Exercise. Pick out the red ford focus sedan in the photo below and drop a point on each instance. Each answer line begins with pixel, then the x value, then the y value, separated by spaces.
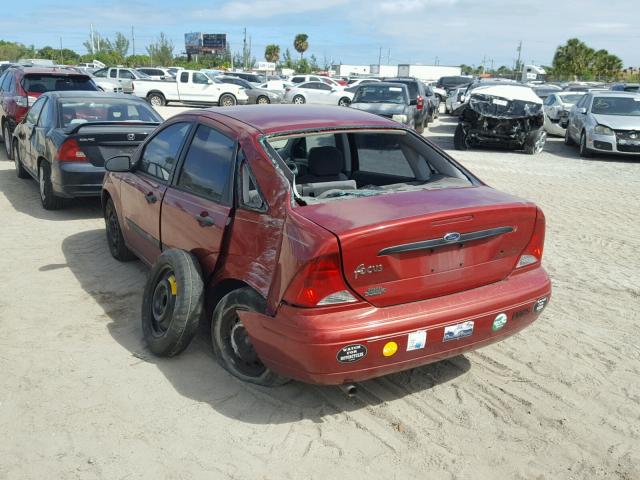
pixel 324 244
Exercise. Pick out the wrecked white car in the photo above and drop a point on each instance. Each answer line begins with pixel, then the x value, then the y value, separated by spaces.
pixel 503 116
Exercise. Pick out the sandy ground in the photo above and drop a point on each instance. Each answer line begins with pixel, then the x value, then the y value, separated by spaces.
pixel 81 397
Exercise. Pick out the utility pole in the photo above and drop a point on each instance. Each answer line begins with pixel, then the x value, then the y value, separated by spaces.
pixel 519 55
pixel 244 49
pixel 388 56
pixel 93 43
pixel 249 53
pixel 380 56
pixel 133 40
pixel 61 56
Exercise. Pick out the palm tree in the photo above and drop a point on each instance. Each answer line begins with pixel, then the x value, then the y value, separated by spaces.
pixel 272 53
pixel 301 44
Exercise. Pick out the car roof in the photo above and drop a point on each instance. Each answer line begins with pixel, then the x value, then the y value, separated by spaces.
pixel 51 70
pixel 90 94
pixel 609 93
pixel 387 83
pixel 285 118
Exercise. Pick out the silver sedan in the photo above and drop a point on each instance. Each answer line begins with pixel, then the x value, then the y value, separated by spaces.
pixel 556 108
pixel 605 122
pixel 255 94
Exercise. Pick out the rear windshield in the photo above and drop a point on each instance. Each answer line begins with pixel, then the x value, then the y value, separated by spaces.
pixel 350 164
pixel 451 81
pixel 34 83
pixel 624 106
pixel 411 86
pixel 571 99
pixel 372 93
pixel 75 111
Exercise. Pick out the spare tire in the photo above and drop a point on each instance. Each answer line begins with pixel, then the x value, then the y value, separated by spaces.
pixel 173 303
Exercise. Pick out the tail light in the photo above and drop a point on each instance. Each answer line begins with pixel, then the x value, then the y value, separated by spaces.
pixel 420 103
pixel 70 152
pixel 319 283
pixel 533 252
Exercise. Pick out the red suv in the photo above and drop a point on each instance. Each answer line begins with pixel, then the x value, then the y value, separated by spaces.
pixel 20 87
pixel 324 244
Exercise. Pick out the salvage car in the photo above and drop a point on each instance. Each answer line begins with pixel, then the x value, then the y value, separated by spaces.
pixel 65 138
pixel 503 116
pixel 323 244
pixel 556 111
pixel 390 100
pixel 317 93
pixel 605 122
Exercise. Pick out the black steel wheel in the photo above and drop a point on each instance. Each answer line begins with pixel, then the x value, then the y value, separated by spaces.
pixel 115 239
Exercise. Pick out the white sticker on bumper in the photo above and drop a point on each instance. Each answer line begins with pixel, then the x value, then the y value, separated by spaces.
pixel 416 340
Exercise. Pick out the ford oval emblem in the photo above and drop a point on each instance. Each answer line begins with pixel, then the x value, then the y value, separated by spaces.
pixel 452 237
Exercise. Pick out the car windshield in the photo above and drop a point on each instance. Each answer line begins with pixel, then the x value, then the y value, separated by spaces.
pixel 34 83
pixel 623 106
pixel 379 94
pixel 571 99
pixel 83 110
pixel 350 164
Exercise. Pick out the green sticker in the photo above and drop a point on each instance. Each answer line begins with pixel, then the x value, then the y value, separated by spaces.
pixel 499 322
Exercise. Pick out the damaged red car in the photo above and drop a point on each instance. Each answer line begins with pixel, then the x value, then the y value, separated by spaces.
pixel 323 244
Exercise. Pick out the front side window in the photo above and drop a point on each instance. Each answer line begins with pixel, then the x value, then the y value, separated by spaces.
pixel 200 78
pixel 102 73
pixel 208 165
pixel 113 73
pixel 127 74
pixel 161 153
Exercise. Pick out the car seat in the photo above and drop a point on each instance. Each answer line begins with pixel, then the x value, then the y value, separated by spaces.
pixel 325 165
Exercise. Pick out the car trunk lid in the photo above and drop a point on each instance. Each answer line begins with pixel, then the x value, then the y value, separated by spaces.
pixel 411 246
pixel 100 142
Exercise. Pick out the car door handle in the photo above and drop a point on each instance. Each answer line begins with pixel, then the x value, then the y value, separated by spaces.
pixel 204 220
pixel 150 197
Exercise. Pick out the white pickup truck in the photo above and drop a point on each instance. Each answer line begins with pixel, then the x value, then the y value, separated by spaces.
pixel 190 87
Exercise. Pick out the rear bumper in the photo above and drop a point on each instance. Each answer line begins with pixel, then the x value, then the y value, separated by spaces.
pixel 303 343
pixel 76 179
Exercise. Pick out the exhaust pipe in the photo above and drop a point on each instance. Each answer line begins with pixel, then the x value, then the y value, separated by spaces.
pixel 349 389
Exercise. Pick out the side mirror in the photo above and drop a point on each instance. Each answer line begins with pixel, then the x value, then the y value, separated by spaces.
pixel 414 102
pixel 209 82
pixel 121 163
pixel 582 111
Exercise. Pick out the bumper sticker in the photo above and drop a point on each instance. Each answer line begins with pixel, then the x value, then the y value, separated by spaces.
pixel 351 353
pixel 540 304
pixel 499 322
pixel 459 330
pixel 416 340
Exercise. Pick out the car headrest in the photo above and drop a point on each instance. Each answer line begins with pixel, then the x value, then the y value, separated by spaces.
pixel 325 161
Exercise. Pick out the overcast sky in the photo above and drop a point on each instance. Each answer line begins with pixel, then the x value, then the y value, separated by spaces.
pixel 347 31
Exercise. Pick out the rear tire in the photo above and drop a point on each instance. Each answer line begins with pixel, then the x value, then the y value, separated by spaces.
pixel 20 171
pixel 173 302
pixel 156 99
pixel 344 102
pixel 227 100
pixel 460 139
pixel 299 100
pixel 535 141
pixel 231 343
pixel 7 141
pixel 262 100
pixel 115 239
pixel 48 199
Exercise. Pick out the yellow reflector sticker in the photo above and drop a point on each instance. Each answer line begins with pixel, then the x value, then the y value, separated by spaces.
pixel 173 284
pixel 390 349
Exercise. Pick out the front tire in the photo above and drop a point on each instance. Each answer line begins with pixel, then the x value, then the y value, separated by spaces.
pixel 156 99
pixel 535 141
pixel 584 151
pixel 262 100
pixel 227 100
pixel 7 140
pixel 231 342
pixel 173 302
pixel 115 239
pixel 20 171
pixel 460 139
pixel 344 102
pixel 48 199
pixel 567 138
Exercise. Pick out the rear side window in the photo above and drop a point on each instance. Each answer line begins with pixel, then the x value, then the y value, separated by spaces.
pixel 208 165
pixel 184 77
pixel 34 83
pixel 113 73
pixel 200 78
pixel 34 112
pixel 100 73
pixel 382 154
pixel 126 74
pixel 160 154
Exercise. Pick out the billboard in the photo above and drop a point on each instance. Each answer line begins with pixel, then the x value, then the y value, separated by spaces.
pixel 214 42
pixel 193 42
